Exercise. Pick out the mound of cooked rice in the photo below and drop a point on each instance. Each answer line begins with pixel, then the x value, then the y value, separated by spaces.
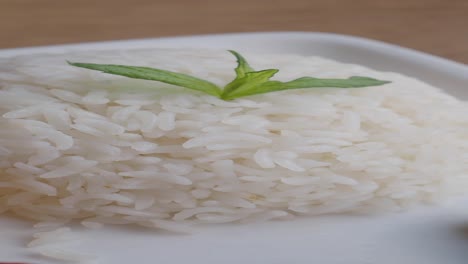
pixel 79 144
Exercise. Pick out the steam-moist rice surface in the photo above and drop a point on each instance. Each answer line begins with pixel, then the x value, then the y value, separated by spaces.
pixel 79 144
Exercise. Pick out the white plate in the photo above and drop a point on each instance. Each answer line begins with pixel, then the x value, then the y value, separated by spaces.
pixel 431 235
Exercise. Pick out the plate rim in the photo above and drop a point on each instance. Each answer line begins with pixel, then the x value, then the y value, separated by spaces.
pixel 372 44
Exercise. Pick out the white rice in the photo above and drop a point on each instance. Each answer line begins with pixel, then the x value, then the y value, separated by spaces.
pixel 104 149
pixel 59 244
pixel 66 255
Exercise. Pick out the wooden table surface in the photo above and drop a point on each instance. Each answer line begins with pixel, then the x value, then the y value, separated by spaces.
pixel 439 27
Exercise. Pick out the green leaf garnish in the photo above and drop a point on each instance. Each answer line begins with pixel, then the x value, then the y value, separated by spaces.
pixel 247 82
pixel 152 74
pixel 250 81
pixel 304 82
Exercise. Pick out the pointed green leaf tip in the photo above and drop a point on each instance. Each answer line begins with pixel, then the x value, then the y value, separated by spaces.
pixel 242 66
pixel 247 82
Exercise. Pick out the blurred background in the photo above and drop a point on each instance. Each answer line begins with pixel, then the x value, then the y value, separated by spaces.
pixel 439 27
